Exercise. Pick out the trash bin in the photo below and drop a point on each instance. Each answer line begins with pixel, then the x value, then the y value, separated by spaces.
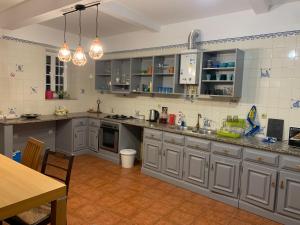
pixel 127 157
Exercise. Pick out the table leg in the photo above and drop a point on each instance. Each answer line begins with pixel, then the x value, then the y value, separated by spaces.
pixel 59 212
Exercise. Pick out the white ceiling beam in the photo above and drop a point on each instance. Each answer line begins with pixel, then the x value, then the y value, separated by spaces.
pixel 260 6
pixel 33 12
pixel 121 12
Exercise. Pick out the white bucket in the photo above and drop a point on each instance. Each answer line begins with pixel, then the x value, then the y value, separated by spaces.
pixel 127 157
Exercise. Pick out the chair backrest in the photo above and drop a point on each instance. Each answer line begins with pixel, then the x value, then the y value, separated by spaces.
pixel 58 166
pixel 32 153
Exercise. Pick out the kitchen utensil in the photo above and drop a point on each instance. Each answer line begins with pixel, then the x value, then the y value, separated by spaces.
pixel 153 115
pixel 231 64
pixel 218 76
pixel 117 80
pixel 208 76
pixel 229 76
pixel 275 128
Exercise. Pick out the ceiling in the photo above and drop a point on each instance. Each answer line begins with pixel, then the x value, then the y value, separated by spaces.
pixel 5 4
pixel 122 16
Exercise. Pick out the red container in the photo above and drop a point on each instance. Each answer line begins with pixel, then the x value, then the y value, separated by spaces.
pixel 49 94
pixel 172 118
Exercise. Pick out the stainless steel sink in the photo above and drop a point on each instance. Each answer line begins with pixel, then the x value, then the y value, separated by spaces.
pixel 204 131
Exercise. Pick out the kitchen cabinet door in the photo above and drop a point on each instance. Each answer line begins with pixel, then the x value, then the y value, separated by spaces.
pixel 152 155
pixel 93 138
pixel 288 202
pixel 80 138
pixel 196 167
pixel 224 175
pixel 258 185
pixel 172 160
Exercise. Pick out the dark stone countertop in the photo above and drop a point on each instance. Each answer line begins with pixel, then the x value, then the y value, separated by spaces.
pixel 250 142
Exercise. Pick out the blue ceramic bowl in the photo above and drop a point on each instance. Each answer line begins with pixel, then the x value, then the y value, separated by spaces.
pixel 231 64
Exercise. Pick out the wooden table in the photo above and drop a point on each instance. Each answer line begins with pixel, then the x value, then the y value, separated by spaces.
pixel 22 188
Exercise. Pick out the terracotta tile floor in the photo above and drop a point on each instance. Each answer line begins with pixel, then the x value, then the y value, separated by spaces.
pixel 102 193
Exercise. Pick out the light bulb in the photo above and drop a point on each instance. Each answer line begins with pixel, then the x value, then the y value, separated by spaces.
pixel 96 49
pixel 79 58
pixel 64 53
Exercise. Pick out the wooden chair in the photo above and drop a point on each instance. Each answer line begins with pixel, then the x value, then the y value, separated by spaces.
pixel 58 167
pixel 32 153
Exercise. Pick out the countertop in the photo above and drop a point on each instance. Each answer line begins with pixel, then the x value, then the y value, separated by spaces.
pixel 250 142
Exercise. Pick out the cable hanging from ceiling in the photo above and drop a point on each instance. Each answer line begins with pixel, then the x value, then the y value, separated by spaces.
pixel 96 48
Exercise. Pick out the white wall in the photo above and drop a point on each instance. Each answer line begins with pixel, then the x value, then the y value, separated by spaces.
pixel 284 18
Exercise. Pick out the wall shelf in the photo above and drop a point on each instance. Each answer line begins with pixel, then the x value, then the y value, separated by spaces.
pixel 217 87
pixel 160 75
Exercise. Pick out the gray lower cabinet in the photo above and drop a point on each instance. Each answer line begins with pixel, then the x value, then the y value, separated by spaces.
pixel 80 138
pixel 258 185
pixel 196 167
pixel 172 160
pixel 152 154
pixel 288 202
pixel 224 176
pixel 93 138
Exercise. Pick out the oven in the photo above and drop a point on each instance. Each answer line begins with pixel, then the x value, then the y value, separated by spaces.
pixel 109 137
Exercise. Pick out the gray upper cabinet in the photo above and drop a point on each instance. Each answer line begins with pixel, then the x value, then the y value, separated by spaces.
pixel 222 73
pixel 224 176
pixel 103 75
pixel 258 185
pixel 93 139
pixel 172 160
pixel 152 154
pixel 289 194
pixel 80 138
pixel 196 167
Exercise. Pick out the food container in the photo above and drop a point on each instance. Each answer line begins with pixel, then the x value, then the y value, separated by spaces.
pixel 172 118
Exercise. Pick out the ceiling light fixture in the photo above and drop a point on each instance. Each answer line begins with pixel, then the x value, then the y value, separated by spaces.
pixel 64 53
pixel 96 49
pixel 79 58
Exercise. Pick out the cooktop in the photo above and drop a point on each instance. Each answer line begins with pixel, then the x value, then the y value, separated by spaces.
pixel 119 117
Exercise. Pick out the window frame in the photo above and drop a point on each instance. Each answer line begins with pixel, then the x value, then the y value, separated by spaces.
pixel 53 74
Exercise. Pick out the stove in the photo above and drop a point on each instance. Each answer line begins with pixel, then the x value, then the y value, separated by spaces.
pixel 119 117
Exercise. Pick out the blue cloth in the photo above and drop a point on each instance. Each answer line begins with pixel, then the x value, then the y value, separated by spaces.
pixel 17 156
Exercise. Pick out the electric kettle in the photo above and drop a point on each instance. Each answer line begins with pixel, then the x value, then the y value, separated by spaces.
pixel 153 115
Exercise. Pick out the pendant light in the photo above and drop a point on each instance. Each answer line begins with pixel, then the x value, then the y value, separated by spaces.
pixel 64 53
pixel 96 49
pixel 79 58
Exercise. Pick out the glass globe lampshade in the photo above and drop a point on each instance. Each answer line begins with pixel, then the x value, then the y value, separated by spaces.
pixel 96 49
pixel 64 53
pixel 79 58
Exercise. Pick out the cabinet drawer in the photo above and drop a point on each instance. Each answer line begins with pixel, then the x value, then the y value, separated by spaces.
pixel 94 123
pixel 197 143
pixel 290 163
pixel 153 134
pixel 260 157
pixel 80 122
pixel 176 139
pixel 226 149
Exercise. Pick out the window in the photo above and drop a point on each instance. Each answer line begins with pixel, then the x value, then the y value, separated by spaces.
pixel 56 75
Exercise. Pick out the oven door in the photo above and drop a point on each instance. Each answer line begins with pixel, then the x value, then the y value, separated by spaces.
pixel 109 139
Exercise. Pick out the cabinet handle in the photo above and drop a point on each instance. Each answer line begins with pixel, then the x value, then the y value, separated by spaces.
pixel 212 167
pixel 164 153
pixel 259 159
pixel 273 184
pixel 282 184
pixel 75 135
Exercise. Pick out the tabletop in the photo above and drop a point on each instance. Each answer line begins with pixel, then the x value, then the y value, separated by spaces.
pixel 22 188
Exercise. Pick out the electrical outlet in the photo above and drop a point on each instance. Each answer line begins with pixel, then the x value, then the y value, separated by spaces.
pixel 264 116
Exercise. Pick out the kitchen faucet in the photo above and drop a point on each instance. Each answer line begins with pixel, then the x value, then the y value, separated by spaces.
pixel 197 127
